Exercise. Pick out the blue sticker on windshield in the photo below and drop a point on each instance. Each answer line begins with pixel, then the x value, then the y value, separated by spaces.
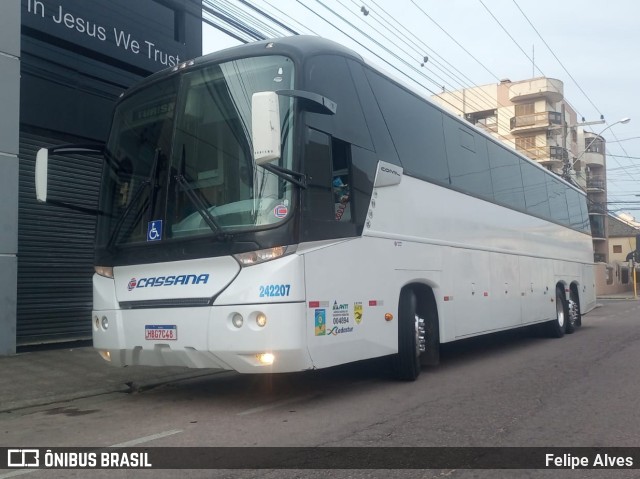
pixel 154 230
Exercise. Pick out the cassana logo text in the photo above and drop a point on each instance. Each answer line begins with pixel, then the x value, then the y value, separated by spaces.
pixel 179 280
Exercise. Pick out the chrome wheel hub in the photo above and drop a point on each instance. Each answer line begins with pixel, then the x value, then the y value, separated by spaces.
pixel 421 335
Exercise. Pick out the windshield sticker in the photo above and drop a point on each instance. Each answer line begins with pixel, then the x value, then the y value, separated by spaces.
pixel 154 230
pixel 280 211
pixel 321 322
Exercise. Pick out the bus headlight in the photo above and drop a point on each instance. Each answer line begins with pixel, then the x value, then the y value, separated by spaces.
pixel 263 255
pixel 106 271
pixel 261 320
pixel 105 323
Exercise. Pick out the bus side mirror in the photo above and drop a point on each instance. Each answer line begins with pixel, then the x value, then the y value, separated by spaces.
pixel 265 126
pixel 42 161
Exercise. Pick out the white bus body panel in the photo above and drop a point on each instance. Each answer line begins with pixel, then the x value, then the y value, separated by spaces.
pixel 490 268
pixel 499 266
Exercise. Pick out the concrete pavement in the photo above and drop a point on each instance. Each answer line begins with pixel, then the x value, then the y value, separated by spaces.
pixel 42 375
pixel 57 373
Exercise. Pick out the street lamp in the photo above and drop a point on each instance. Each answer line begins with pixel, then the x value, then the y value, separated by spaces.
pixel 623 121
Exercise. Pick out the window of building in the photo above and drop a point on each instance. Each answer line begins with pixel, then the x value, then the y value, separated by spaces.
pixel 525 109
pixel 487 120
pixel 594 145
pixel 617 248
pixel 527 146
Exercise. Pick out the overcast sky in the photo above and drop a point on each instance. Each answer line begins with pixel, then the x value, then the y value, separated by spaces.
pixel 597 45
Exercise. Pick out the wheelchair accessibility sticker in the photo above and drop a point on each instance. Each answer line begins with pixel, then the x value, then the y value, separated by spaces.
pixel 154 230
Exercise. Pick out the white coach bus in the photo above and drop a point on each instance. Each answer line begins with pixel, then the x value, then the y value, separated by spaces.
pixel 283 206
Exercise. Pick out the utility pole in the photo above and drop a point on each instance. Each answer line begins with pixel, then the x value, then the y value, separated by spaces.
pixel 567 162
pixel 566 166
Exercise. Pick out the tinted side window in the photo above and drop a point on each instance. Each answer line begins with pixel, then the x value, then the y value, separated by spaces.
pixel 468 161
pixel 586 225
pixel 535 190
pixel 557 200
pixel 416 129
pixel 377 128
pixel 575 212
pixel 324 159
pixel 506 176
pixel 329 76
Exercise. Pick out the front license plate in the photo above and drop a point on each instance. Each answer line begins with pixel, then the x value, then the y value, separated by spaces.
pixel 161 332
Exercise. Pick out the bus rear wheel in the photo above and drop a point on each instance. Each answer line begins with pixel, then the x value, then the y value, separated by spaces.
pixel 411 338
pixel 574 308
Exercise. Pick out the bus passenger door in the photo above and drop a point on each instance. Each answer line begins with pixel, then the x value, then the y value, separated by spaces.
pixel 328 200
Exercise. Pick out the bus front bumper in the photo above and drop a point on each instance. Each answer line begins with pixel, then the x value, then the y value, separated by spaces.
pixel 220 337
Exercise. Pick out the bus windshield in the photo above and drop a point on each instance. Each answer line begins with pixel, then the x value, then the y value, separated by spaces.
pixel 180 156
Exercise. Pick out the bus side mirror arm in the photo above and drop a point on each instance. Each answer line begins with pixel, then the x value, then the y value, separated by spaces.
pixel 312 102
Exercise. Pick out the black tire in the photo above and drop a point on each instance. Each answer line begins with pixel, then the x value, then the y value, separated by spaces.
pixel 575 297
pixel 406 363
pixel 431 354
pixel 556 327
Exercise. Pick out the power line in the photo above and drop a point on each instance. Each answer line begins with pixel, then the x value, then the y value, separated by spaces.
pixel 556 57
pixel 455 41
pixel 264 14
pixel 511 37
pixel 481 95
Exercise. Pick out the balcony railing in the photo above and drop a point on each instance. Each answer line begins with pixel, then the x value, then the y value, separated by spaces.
pixel 541 119
pixel 596 183
pixel 542 153
pixel 599 258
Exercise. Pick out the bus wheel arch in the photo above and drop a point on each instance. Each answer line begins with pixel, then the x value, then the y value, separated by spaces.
pixel 418 331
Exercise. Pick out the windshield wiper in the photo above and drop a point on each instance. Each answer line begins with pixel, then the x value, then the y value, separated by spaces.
pixel 291 176
pixel 150 180
pixel 201 207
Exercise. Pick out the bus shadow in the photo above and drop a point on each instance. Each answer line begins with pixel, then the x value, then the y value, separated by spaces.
pixel 490 344
pixel 240 390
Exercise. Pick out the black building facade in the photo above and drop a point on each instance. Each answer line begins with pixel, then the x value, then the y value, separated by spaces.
pixel 75 58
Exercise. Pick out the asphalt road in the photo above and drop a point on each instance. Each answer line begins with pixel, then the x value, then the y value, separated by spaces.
pixel 508 389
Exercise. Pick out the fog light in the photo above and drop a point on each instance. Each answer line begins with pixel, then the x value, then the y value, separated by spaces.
pixel 237 320
pixel 266 358
pixel 105 323
pixel 96 321
pixel 261 320
pixel 106 355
